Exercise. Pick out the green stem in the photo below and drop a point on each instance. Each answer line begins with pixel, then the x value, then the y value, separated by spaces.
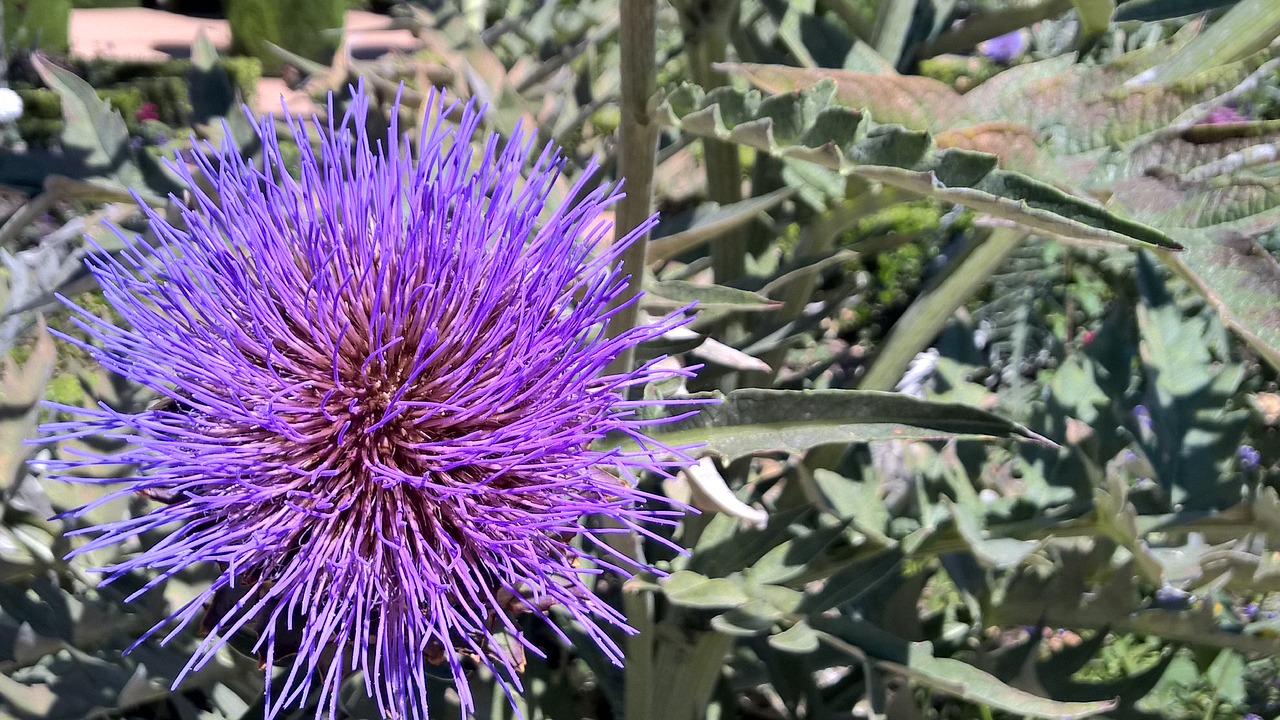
pixel 638 693
pixel 637 152
pixel 922 322
pixel 706 28
pixel 686 673
pixel 637 147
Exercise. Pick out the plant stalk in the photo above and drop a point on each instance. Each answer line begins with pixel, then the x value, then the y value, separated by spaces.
pixel 637 157
pixel 637 148
pixel 922 322
pixel 706 29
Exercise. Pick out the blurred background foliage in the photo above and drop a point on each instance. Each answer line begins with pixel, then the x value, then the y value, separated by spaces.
pixel 988 288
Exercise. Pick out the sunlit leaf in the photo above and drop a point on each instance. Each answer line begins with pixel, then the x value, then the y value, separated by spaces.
pixel 809 126
pixel 755 420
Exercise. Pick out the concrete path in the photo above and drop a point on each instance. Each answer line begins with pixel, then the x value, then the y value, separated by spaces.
pixel 155 35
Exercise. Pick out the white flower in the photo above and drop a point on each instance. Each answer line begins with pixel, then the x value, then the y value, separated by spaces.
pixel 10 105
pixel 918 373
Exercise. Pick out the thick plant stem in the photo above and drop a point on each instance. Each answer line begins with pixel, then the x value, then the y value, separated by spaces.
pixel 686 672
pixel 637 151
pixel 706 27
pixel 637 148
pixel 922 322
pixel 638 699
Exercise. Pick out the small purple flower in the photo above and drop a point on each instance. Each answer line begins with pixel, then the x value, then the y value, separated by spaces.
pixel 1143 416
pixel 1223 115
pixel 1169 595
pixel 385 381
pixel 1248 457
pixel 1005 48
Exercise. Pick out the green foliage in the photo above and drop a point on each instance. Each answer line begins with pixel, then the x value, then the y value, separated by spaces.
pixel 807 126
pixel 40 24
pixel 745 420
pixel 128 86
pixel 310 28
pixel 105 3
pixel 41 119
pixel 1068 266
pixel 243 71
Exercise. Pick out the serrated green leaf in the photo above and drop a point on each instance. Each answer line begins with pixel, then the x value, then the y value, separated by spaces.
pixel 809 126
pixel 96 138
pixel 998 553
pixel 913 101
pixel 1078 109
pixel 1194 185
pixel 1192 424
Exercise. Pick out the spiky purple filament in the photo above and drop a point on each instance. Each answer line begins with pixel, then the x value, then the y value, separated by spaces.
pixel 386 378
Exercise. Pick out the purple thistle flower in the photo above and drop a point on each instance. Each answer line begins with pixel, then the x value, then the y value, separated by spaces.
pixel 384 382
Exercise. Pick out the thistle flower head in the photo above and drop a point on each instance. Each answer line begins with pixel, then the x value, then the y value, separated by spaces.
pixel 385 379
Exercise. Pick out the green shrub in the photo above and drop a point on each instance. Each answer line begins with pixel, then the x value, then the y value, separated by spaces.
pixel 91 4
pixel 245 72
pixel 40 24
pixel 126 100
pixel 300 26
pixel 40 103
pixel 41 119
